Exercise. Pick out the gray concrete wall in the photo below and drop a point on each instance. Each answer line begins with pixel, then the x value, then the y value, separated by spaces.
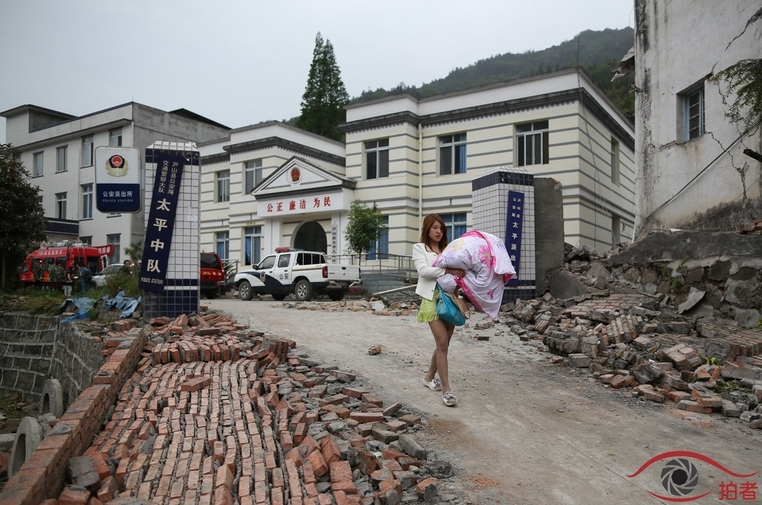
pixel 36 348
pixel 679 47
pixel 549 229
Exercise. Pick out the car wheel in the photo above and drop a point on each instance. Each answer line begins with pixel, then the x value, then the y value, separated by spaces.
pixel 336 294
pixel 211 294
pixel 279 296
pixel 303 290
pixel 244 290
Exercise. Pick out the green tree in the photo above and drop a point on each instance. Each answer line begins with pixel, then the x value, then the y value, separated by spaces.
pixel 135 251
pixel 325 96
pixel 23 221
pixel 745 79
pixel 364 226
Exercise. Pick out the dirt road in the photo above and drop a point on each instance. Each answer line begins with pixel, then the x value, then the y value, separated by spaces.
pixel 525 431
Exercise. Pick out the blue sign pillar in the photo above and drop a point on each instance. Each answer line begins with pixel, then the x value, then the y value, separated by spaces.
pixel 503 205
pixel 169 271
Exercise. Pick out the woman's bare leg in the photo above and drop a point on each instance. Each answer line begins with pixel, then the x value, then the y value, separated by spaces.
pixel 442 334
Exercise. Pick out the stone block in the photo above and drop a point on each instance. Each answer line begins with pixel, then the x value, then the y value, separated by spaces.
pixel 579 360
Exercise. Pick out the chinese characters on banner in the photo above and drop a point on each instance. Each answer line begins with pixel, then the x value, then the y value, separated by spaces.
pixel 300 204
pixel 161 222
pixel 513 225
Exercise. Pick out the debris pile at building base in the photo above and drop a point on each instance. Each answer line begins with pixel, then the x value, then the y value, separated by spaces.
pixel 217 413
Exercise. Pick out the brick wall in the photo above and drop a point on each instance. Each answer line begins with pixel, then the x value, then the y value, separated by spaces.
pixel 43 474
pixel 36 348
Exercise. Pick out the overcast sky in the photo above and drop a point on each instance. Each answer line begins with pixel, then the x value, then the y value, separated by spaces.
pixel 239 62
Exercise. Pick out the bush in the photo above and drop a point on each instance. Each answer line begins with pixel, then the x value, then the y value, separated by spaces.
pixel 122 282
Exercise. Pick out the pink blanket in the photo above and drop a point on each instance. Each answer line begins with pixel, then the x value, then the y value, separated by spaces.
pixel 487 265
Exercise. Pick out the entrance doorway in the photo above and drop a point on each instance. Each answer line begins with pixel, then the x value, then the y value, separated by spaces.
pixel 311 237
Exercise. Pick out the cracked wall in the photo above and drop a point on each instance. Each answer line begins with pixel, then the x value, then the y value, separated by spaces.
pixel 679 47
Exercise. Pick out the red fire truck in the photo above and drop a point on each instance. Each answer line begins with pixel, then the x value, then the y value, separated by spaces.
pixel 47 265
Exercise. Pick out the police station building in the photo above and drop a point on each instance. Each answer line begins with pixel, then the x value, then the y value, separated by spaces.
pixel 273 185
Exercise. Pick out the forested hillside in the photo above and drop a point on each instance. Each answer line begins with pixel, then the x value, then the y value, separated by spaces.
pixel 597 52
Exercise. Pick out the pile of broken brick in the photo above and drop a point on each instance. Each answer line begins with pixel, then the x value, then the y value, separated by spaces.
pixel 625 340
pixel 218 413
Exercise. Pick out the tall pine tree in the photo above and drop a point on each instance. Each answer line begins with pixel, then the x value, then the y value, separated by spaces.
pixel 325 96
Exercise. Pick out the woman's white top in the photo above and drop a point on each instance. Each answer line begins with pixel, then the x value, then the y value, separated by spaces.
pixel 427 274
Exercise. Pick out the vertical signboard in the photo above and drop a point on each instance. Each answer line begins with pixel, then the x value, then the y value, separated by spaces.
pixel 161 221
pixel 117 179
pixel 513 225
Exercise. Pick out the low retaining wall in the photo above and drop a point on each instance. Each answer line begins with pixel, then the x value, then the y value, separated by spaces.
pixel 43 473
pixel 36 348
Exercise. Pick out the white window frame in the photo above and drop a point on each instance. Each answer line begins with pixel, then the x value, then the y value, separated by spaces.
pixel 61 205
pixel 222 186
pixel 380 248
pixel 615 167
pixel 253 175
pixel 115 239
pixel 115 137
pixel 87 201
pixel 61 154
pixel 452 150
pixel 456 220
pixel 694 110
pixel 252 243
pixel 38 161
pixel 528 135
pixel 222 244
pixel 377 155
pixel 88 142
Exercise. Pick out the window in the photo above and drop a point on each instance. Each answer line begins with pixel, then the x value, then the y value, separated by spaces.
pixel 60 205
pixel 114 240
pixel 377 159
pixel 115 138
pixel 223 187
pixel 252 244
pixel 381 246
pixel 61 159
pixel 37 160
pixel 616 224
pixel 284 260
pixel 222 241
pixel 253 175
pixel 452 154
pixel 455 225
pixel 87 151
pixel 532 140
pixel 614 161
pixel 694 113
pixel 86 240
pixel 87 201
pixel 268 262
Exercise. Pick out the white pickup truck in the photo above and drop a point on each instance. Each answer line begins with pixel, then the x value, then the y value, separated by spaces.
pixel 303 273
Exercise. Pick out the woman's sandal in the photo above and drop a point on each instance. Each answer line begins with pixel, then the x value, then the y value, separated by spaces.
pixel 435 384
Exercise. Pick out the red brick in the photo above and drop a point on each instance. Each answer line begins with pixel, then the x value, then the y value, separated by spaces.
pixel 340 471
pixel 330 449
pixel 74 496
pixel 222 496
pixel 224 477
pixel 319 466
pixel 367 417
pixel 108 489
pixel 195 384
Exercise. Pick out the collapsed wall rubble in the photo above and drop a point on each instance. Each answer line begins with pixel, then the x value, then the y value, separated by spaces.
pixel 218 413
pixel 624 330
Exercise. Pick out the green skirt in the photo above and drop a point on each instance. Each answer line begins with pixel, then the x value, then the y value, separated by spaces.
pixel 428 309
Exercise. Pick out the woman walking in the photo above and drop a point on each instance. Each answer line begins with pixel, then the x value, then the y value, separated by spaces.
pixel 433 241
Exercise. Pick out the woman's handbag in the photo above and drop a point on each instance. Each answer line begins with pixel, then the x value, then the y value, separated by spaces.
pixel 452 309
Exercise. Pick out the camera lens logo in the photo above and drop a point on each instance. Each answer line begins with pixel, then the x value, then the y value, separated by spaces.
pixel 679 477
